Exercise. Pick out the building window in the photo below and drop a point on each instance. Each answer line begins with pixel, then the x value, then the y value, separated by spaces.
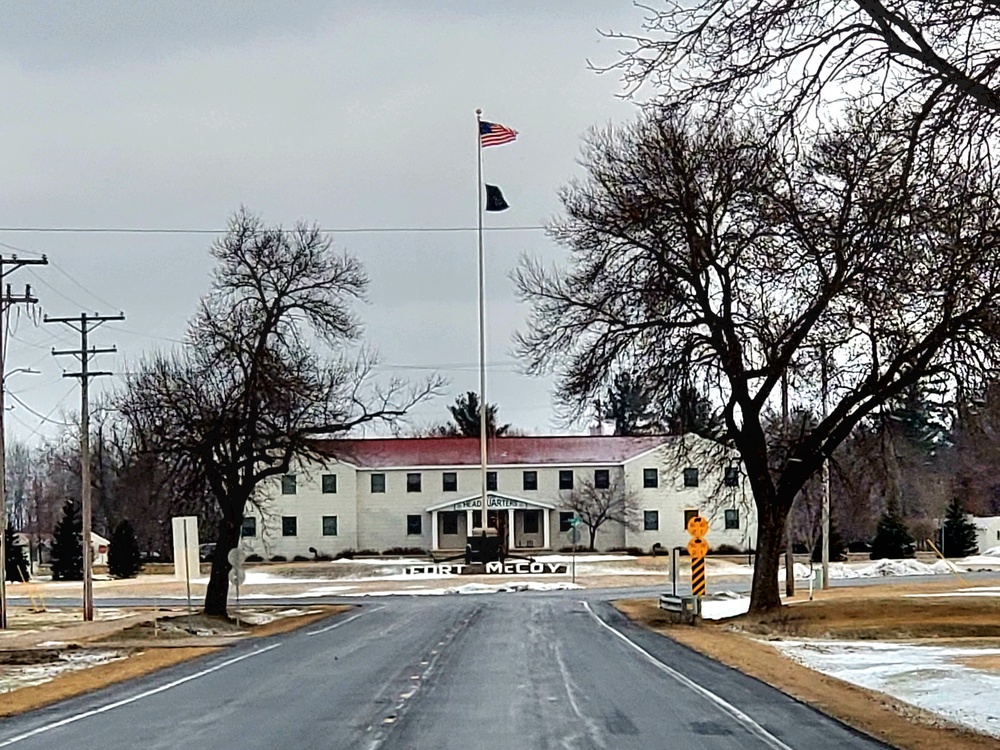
pixel 531 521
pixel 690 477
pixel 378 483
pixel 249 526
pixel 602 479
pixel 732 518
pixel 650 478
pixel 288 484
pixel 449 522
pixel 565 479
pixel 732 478
pixel 289 526
pixel 414 525
pixel 329 484
pixel 329 526
pixel 651 520
pixel 565 518
pixel 449 481
pixel 491 481
pixel 413 482
pixel 688 515
pixel 530 480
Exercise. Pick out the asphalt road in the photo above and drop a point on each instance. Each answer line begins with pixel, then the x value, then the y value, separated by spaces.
pixel 533 671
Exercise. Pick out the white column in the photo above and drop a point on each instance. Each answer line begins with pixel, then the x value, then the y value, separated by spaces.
pixel 468 523
pixel 546 537
pixel 510 528
pixel 434 530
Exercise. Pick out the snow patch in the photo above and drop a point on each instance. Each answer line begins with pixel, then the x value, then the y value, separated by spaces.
pixel 929 677
pixel 478 588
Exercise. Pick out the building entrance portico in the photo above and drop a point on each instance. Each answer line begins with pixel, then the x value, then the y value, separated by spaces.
pixel 523 523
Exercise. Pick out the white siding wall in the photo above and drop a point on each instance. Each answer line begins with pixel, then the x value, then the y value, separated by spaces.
pixel 308 505
pixel 377 521
pixel 987 532
pixel 671 499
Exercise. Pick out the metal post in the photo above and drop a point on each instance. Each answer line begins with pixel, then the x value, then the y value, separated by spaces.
pixel 187 573
pixel 673 570
pixel 482 322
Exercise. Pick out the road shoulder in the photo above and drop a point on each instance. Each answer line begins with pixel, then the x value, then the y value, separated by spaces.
pixel 872 713
pixel 146 657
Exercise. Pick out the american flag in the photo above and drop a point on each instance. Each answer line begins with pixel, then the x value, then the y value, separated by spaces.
pixel 493 134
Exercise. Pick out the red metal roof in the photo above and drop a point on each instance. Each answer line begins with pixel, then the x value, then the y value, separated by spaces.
pixel 378 453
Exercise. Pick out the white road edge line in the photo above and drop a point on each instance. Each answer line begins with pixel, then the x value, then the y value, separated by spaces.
pixel 727 707
pixel 338 623
pixel 133 699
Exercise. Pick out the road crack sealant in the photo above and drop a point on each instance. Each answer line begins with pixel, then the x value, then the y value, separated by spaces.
pixel 417 677
pixel 720 703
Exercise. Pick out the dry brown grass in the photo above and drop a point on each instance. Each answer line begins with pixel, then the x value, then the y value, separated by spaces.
pixel 149 659
pixel 77 683
pixel 877 715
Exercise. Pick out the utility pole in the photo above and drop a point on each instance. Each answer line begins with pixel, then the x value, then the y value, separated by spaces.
pixel 7 267
pixel 789 556
pixel 84 325
pixel 825 516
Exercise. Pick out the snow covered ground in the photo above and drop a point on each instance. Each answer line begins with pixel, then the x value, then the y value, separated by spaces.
pixel 934 678
pixel 479 588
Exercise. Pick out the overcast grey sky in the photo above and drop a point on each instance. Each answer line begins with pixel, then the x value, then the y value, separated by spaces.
pixel 349 114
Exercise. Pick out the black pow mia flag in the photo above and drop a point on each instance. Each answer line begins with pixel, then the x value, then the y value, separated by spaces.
pixel 494 199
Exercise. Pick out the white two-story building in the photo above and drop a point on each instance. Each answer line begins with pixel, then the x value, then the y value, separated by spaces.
pixel 385 493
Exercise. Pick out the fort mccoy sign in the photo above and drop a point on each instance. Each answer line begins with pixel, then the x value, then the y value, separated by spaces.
pixel 513 568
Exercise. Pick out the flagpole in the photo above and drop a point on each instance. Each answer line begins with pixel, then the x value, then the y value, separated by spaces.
pixel 482 322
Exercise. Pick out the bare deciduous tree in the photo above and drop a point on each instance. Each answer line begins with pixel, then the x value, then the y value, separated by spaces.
pixel 701 253
pixel 595 506
pixel 793 60
pixel 266 371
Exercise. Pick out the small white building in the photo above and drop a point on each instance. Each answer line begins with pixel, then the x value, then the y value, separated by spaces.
pixel 987 532
pixel 384 493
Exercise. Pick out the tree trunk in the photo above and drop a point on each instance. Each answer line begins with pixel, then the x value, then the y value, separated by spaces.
pixel 217 593
pixel 593 536
pixel 764 595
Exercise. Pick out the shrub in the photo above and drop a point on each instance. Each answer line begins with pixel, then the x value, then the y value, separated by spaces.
pixel 254 558
pixel 321 557
pixel 634 551
pixel 404 551
pixel 16 564
pixel 344 554
pixel 279 558
pixel 366 553
pixel 300 558
pixel 726 549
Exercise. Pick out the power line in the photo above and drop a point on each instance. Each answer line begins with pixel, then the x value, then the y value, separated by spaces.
pixel 41 416
pixel 340 230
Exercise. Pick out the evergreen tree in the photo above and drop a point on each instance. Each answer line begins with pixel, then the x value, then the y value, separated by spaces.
pixel 465 419
pixel 892 539
pixel 16 563
pixel 67 545
pixel 838 551
pixel 123 554
pixel 628 405
pixel 959 532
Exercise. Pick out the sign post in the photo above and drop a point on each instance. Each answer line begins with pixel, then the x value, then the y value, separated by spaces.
pixel 574 536
pixel 697 548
